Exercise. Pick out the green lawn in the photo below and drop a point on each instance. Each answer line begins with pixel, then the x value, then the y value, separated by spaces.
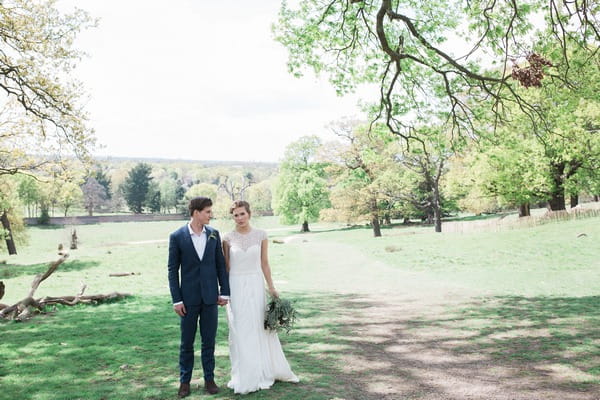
pixel 522 296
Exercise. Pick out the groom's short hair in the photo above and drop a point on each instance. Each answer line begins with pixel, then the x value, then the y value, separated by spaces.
pixel 199 203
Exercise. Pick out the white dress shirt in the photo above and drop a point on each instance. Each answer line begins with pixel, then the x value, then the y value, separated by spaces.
pixel 199 240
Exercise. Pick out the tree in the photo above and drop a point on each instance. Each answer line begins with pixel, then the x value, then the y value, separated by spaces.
pixel 235 185
pixel 261 197
pixel 301 191
pixel 12 230
pixel 136 187
pixel 28 193
pixel 69 195
pixel 41 109
pixel 101 176
pixel 428 159
pixel 168 194
pixel 94 195
pixel 153 199
pixel 410 51
pixel 366 162
pixel 558 151
pixel 201 189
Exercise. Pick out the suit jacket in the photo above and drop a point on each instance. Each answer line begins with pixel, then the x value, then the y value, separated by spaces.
pixel 193 281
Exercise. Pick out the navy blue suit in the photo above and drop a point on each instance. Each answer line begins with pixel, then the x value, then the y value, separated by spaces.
pixel 196 283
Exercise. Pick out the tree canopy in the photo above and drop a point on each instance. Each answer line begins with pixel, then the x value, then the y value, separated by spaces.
pixel 439 59
pixel 41 111
pixel 301 191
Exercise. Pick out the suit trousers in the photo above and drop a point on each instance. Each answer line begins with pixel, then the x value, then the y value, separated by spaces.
pixel 204 316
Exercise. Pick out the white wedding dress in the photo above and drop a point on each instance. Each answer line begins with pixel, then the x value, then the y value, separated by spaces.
pixel 257 359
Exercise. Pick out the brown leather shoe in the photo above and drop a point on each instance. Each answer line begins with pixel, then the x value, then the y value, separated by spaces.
pixel 184 390
pixel 211 387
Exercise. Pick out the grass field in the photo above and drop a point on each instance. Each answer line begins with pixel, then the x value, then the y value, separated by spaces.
pixel 412 315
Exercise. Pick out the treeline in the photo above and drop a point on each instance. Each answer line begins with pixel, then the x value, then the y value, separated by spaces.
pixel 127 185
pixel 371 175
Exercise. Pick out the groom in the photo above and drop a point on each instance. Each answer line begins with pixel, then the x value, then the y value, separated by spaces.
pixel 196 271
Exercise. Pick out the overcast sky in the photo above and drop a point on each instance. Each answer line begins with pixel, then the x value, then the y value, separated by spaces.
pixel 197 79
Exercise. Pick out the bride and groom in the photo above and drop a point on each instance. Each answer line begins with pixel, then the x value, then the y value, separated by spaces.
pixel 199 264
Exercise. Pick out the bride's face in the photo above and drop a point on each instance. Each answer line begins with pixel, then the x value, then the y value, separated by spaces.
pixel 241 217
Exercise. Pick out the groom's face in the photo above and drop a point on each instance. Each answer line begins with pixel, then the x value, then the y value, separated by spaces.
pixel 203 216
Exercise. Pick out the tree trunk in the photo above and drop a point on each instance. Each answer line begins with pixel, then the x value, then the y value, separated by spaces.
pixel 305 227
pixel 375 217
pixel 557 202
pixel 437 207
pixel 376 226
pixel 596 197
pixel 574 201
pixel 437 217
pixel 557 199
pixel 428 218
pixel 10 243
pixel 524 210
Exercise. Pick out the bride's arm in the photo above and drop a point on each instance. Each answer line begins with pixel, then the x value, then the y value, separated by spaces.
pixel 225 244
pixel 264 263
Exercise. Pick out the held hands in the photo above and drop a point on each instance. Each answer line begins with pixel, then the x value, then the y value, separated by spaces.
pixel 181 311
pixel 222 302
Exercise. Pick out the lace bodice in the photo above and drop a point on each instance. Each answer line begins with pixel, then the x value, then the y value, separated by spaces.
pixel 245 240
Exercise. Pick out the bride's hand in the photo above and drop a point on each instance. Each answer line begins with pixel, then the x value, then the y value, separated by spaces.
pixel 273 292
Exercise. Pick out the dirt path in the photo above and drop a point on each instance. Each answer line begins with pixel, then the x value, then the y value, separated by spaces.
pixel 407 341
pixel 406 348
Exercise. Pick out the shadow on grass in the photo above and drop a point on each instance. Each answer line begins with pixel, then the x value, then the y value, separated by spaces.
pixel 129 350
pixel 339 349
pixel 509 347
pixel 560 330
pixel 13 270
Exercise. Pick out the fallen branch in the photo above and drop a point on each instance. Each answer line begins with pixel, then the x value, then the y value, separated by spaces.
pixel 29 306
pixel 40 278
pixel 122 274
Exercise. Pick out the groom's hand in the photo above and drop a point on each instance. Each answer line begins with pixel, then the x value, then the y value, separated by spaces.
pixel 180 309
pixel 222 301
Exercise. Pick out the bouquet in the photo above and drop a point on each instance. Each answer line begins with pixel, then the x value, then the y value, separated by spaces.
pixel 280 315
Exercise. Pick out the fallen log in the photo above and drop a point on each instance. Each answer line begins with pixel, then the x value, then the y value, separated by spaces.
pixel 30 306
pixel 122 274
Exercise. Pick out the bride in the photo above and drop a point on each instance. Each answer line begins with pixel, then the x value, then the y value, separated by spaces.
pixel 257 359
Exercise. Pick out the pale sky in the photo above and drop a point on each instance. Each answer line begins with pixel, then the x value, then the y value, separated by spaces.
pixel 197 79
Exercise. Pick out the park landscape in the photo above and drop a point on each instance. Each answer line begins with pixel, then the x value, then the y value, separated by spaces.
pixel 503 314
pixel 439 240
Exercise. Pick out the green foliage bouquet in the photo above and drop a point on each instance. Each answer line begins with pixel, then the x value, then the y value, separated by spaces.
pixel 280 315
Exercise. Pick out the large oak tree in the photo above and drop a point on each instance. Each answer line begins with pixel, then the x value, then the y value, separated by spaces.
pixel 431 59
